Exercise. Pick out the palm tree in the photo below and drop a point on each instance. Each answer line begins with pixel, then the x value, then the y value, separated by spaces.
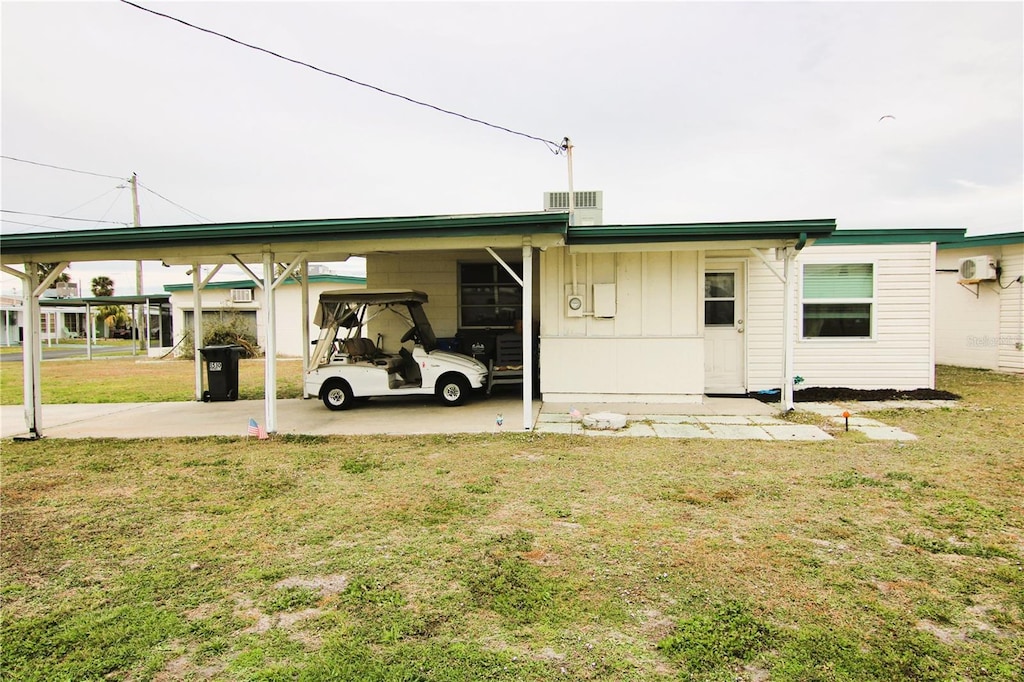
pixel 102 286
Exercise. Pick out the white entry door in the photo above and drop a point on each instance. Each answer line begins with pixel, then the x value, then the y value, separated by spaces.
pixel 725 367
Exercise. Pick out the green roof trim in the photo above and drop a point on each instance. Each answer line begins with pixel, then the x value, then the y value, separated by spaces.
pixel 700 232
pixel 898 235
pixel 1000 239
pixel 249 284
pixel 339 229
pixel 106 300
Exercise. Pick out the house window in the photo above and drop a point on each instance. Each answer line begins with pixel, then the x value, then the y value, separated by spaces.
pixel 488 295
pixel 838 300
pixel 719 298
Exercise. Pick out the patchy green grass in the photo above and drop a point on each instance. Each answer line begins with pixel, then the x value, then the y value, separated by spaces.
pixel 519 557
pixel 132 380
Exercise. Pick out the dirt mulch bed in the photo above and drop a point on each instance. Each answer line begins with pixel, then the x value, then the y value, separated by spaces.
pixel 831 395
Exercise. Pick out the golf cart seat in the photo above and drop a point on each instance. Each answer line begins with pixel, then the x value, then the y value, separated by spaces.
pixel 360 349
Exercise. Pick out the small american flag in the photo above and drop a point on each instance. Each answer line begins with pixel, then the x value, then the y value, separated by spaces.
pixel 256 430
pixel 574 413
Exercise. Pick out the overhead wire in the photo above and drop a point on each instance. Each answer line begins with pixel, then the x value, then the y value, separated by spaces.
pixel 60 217
pixel 63 168
pixel 117 197
pixel 49 227
pixel 186 210
pixel 116 187
pixel 554 147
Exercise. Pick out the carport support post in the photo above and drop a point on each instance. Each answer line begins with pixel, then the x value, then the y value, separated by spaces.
pixel 527 335
pixel 90 329
pixel 788 323
pixel 31 350
pixel 270 374
pixel 197 327
pixel 305 324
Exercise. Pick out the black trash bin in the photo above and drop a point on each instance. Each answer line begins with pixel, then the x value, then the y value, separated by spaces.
pixel 221 372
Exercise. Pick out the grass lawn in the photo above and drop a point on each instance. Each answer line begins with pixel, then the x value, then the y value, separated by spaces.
pixel 130 380
pixel 520 557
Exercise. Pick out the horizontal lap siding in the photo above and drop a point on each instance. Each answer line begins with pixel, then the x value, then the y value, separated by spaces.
pixel 899 355
pixel 1011 311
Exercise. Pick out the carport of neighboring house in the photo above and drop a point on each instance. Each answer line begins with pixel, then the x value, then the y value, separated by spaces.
pixel 610 339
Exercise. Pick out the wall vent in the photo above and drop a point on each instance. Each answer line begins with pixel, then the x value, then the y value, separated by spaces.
pixel 241 295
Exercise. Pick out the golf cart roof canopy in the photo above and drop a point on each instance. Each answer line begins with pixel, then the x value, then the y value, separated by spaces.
pixel 373 296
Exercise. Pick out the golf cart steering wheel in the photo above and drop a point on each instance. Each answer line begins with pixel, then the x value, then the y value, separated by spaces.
pixel 413 334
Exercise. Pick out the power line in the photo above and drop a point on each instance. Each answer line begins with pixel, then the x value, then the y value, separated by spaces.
pixel 71 210
pixel 63 168
pixel 190 212
pixel 48 227
pixel 60 217
pixel 554 147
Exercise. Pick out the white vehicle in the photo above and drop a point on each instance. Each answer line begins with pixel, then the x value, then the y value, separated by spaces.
pixel 351 367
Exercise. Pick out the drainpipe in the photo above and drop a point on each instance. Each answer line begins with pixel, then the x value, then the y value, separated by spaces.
pixel 789 293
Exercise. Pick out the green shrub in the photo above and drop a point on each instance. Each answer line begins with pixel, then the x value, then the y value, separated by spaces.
pixel 233 331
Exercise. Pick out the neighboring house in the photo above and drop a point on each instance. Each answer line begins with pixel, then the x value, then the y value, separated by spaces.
pixel 980 321
pixel 56 321
pixel 10 321
pixel 243 299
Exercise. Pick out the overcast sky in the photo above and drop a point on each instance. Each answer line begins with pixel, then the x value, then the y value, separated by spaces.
pixel 679 112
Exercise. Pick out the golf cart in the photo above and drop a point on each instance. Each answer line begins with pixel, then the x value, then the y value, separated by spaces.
pixel 346 366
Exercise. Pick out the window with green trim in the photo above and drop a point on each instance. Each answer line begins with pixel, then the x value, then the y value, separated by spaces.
pixel 838 300
pixel 489 297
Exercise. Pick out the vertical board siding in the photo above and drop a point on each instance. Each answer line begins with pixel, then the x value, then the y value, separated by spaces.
pixel 653 336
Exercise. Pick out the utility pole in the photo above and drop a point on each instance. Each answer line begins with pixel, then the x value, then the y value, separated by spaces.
pixel 567 146
pixel 137 220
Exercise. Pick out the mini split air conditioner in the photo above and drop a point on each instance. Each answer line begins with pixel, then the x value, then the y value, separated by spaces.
pixel 977 269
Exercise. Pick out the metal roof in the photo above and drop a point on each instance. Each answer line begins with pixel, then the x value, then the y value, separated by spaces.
pixel 106 300
pixel 898 235
pixel 327 239
pixel 1001 239
pixel 249 284
pixel 701 232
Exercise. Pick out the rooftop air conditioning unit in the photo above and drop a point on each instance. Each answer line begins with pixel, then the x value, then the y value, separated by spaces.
pixel 977 269
pixel 588 209
pixel 241 295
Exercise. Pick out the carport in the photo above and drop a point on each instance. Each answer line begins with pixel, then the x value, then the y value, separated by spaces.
pixel 269 252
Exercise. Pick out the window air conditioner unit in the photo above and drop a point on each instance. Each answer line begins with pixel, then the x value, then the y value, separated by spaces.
pixel 977 269
pixel 241 295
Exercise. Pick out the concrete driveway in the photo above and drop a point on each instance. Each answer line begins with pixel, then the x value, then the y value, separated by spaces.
pixel 720 418
pixel 398 416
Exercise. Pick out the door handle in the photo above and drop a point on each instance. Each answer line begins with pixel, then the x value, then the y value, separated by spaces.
pixel 739 326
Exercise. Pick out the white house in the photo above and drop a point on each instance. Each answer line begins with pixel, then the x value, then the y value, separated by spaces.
pixel 980 294
pixel 242 299
pixel 670 313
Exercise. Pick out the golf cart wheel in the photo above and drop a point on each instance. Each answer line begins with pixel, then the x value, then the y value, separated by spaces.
pixel 452 389
pixel 337 395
